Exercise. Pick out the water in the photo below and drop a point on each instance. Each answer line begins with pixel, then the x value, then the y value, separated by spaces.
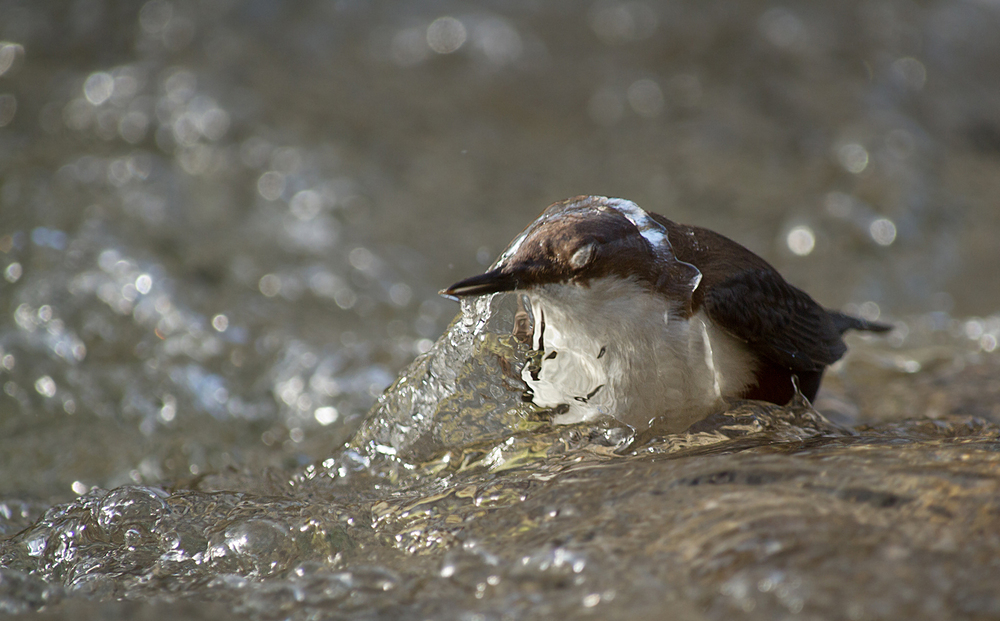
pixel 222 230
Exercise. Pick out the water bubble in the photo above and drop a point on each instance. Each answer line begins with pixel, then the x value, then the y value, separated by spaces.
pixel 801 240
pixel 98 87
pixel 129 505
pixel 446 35
pixel 257 546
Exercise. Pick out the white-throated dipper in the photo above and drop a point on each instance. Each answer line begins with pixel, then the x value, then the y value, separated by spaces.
pixel 644 319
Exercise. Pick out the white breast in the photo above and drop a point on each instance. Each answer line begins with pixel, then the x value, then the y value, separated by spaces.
pixel 616 349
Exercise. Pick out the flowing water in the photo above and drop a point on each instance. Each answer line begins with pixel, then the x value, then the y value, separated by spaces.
pixel 222 229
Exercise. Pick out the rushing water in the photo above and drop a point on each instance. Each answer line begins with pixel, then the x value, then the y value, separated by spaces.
pixel 222 229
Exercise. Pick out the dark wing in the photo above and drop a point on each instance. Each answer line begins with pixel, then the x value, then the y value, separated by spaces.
pixel 781 322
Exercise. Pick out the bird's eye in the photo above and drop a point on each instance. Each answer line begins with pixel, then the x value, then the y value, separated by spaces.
pixel 582 256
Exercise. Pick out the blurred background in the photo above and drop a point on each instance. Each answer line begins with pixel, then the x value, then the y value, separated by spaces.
pixel 223 224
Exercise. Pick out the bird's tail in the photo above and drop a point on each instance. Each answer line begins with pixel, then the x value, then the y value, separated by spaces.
pixel 849 322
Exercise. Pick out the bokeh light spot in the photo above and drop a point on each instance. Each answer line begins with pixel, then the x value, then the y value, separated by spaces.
pixel 144 283
pixel 13 272
pixel 446 35
pixel 220 322
pixel 853 157
pixel 45 386
pixel 271 185
pixel 870 311
pixel 270 285
pixel 9 52
pixel 801 240
pixel 326 415
pixel 883 231
pixel 646 98
pixel 98 87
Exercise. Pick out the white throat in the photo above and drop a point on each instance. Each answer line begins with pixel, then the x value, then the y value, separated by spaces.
pixel 613 348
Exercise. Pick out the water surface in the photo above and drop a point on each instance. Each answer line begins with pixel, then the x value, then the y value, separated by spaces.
pixel 222 229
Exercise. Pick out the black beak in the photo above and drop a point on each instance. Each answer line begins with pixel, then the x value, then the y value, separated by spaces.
pixel 490 282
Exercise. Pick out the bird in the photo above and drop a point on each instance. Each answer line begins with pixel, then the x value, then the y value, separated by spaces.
pixel 633 316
